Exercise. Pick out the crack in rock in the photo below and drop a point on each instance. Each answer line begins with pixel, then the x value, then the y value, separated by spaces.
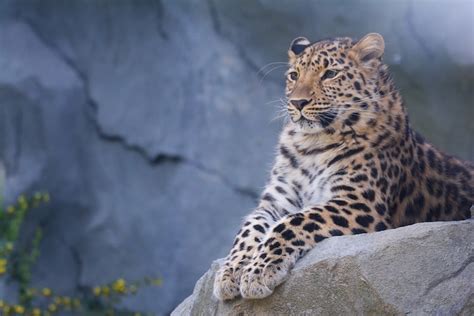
pixel 154 160
pixel 450 276
pixel 162 158
pixel 160 13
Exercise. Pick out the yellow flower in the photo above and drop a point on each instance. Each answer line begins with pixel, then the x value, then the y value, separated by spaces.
pixel 97 291
pixel 6 309
pixel 46 197
pixel 58 300
pixel 36 312
pixel 46 292
pixel 156 282
pixel 10 209
pixel 67 301
pixel 120 286
pixel 3 266
pixel 2 303
pixel 105 290
pixel 19 309
pixel 52 307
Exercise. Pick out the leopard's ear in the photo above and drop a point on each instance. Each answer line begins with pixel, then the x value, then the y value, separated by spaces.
pixel 297 46
pixel 369 48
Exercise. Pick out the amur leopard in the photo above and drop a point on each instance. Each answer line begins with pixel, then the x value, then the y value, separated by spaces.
pixel 348 162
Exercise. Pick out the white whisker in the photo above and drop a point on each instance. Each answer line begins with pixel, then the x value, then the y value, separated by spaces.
pixel 271 64
pixel 268 72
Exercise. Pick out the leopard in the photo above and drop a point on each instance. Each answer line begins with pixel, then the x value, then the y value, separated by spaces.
pixel 348 162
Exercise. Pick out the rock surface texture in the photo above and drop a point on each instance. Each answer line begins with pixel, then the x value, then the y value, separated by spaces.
pixel 422 269
pixel 150 122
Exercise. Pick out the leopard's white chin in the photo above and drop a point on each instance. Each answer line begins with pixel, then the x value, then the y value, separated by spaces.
pixel 305 125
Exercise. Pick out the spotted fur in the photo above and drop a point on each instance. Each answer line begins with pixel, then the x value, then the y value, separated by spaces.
pixel 348 162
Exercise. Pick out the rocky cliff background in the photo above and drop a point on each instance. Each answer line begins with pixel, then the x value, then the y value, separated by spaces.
pixel 150 122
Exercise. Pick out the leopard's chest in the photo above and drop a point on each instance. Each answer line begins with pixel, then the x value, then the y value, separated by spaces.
pixel 315 179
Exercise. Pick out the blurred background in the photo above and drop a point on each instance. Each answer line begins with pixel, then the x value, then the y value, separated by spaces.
pixel 150 123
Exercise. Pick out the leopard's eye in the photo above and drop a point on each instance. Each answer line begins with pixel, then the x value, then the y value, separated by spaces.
pixel 329 74
pixel 293 75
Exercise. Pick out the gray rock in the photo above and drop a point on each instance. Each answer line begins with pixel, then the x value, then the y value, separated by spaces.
pixel 422 269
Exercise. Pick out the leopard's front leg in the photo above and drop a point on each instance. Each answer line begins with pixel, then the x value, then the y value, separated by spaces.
pixel 278 200
pixel 227 280
pixel 293 236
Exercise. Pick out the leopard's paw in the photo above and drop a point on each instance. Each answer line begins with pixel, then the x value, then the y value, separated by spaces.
pixel 259 280
pixel 226 286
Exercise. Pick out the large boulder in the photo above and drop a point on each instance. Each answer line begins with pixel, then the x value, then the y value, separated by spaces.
pixel 422 269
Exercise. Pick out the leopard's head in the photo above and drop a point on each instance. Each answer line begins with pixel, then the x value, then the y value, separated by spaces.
pixel 331 83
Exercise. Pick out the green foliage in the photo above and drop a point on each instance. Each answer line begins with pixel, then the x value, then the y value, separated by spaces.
pixel 16 264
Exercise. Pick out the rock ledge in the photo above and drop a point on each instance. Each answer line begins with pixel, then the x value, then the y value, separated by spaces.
pixel 420 269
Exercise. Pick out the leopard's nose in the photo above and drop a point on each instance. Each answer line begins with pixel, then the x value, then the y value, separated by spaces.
pixel 300 104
